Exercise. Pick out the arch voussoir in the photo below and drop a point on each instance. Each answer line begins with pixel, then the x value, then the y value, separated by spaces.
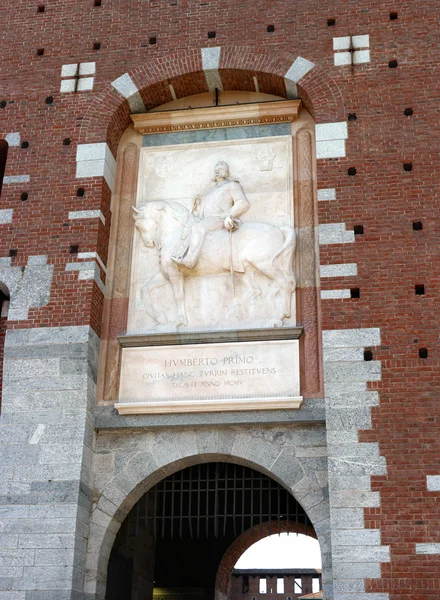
pixel 321 96
pixel 286 465
pixel 164 455
pixel 109 114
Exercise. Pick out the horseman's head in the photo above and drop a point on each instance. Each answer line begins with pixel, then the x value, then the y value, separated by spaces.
pixel 221 171
pixel 146 222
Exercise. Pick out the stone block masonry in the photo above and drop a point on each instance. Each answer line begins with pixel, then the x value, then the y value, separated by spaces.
pixel 128 465
pixel 46 433
pixel 357 551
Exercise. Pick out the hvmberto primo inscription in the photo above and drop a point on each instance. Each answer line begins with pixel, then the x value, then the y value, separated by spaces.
pixel 222 374
pixel 250 369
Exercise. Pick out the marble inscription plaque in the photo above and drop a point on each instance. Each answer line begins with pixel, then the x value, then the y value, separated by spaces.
pixel 263 374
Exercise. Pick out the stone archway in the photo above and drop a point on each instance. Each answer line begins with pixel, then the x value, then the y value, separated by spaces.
pixel 147 457
pixel 284 74
pixel 281 73
pixel 245 541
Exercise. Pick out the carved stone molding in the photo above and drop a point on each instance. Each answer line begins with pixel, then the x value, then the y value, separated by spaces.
pixel 217 117
pixel 311 380
pixel 116 307
pixel 197 406
pixel 205 337
pixel 120 335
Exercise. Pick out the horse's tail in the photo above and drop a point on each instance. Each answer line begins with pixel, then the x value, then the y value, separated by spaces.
pixel 283 259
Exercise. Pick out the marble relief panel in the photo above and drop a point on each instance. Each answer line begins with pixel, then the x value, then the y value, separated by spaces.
pixel 214 241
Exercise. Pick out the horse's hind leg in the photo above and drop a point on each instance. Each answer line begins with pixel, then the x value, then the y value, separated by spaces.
pixel 284 286
pixel 286 283
pixel 253 290
pixel 177 283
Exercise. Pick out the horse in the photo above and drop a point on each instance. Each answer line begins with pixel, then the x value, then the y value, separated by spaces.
pixel 255 246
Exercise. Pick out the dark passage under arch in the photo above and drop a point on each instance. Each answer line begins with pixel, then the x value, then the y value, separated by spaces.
pixel 4 305
pixel 176 535
pixel 3 158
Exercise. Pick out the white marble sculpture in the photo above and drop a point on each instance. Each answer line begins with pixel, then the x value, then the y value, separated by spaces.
pixel 210 240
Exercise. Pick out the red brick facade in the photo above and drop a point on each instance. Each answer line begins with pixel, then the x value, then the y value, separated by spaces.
pixel 391 256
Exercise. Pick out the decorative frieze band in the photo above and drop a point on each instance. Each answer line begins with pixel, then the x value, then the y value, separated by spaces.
pixel 216 118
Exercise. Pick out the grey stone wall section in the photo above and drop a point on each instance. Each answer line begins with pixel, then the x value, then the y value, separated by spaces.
pixel 28 287
pixel 357 552
pixel 46 432
pixel 312 411
pixel 126 466
pixel 65 490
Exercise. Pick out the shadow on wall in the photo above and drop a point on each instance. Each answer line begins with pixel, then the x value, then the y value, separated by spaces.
pixel 3 158
pixel 4 306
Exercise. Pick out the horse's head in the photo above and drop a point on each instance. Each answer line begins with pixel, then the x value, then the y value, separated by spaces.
pixel 146 220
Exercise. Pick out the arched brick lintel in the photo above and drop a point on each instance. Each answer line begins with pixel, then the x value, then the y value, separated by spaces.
pixel 245 541
pixel 109 114
pixel 147 468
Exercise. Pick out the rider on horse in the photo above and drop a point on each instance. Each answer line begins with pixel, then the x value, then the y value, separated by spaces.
pixel 220 208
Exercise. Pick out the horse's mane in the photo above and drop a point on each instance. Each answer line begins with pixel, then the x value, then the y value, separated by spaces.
pixel 174 209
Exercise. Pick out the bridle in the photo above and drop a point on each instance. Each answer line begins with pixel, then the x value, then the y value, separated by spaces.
pixel 161 246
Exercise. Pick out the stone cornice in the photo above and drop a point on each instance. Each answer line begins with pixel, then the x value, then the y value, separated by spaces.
pixel 199 406
pixel 207 337
pixel 217 117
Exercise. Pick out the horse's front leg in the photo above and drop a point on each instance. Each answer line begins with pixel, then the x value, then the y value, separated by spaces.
pixel 156 283
pixel 178 286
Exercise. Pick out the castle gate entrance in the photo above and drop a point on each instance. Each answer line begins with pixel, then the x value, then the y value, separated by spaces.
pixel 173 540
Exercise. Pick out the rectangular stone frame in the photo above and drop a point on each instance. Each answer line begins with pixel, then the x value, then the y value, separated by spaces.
pixel 307 294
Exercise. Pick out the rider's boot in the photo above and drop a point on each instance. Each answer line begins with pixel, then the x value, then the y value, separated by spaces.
pixel 179 258
pixel 185 260
pixel 190 257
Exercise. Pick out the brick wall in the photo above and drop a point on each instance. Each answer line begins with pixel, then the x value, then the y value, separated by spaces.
pixel 385 199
